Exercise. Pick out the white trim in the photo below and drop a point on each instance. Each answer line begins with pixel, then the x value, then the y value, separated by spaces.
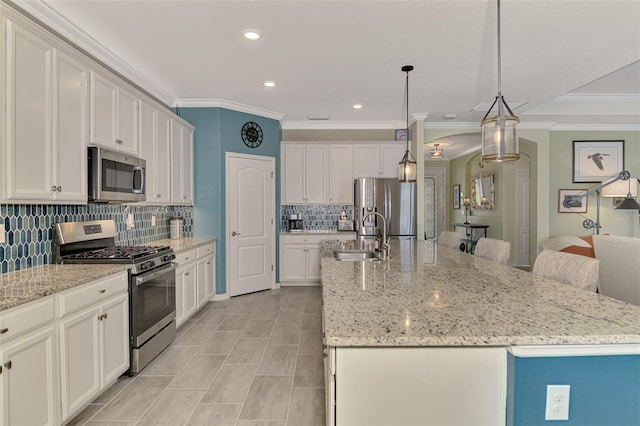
pixel 573 350
pixel 60 24
pixel 343 125
pixel 597 127
pixel 223 103
pixel 219 297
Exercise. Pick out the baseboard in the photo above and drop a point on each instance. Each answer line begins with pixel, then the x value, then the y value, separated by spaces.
pixel 301 284
pixel 218 297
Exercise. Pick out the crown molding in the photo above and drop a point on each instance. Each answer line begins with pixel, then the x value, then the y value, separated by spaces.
pixel 599 97
pixel 223 103
pixel 597 127
pixel 72 33
pixel 343 125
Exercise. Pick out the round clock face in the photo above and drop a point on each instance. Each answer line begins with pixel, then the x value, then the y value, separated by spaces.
pixel 251 134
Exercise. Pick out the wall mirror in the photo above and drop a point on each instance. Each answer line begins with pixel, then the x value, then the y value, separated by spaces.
pixel 482 191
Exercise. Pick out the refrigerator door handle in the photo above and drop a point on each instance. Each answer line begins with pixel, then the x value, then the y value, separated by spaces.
pixel 387 207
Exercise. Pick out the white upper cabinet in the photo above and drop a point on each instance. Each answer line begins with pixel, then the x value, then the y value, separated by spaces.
pixel 340 174
pixel 305 174
pixel 181 163
pixel 155 134
pixel 378 160
pixel 113 115
pixel 46 118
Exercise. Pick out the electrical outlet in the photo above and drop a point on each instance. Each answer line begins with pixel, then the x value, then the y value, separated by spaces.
pixel 557 402
pixel 153 220
pixel 130 224
pixel 2 237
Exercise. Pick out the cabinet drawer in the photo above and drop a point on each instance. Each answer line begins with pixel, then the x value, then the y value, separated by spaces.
pixel 209 249
pixel 185 257
pixel 93 292
pixel 21 319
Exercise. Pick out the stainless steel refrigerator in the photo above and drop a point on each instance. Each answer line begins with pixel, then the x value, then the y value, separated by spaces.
pixel 394 200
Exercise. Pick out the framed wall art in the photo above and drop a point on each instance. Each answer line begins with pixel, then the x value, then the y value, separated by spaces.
pixel 595 161
pixel 577 206
pixel 456 196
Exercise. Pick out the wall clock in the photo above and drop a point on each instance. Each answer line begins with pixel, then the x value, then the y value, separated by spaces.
pixel 251 134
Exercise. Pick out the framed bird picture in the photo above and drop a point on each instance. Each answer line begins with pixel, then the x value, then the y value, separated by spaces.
pixel 595 161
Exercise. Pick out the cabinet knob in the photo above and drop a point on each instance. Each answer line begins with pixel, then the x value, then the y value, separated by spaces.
pixel 54 188
pixel 157 195
pixel 105 316
pixel 8 365
pixel 102 291
pixel 58 188
pixel 186 274
pixel 3 330
pixel 234 233
pixel 208 263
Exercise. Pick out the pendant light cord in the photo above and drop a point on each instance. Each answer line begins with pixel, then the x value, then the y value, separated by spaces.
pixel 408 109
pixel 499 56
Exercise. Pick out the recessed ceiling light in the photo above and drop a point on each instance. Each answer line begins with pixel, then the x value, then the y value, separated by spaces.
pixel 318 117
pixel 357 106
pixel 252 35
pixel 449 117
pixel 269 83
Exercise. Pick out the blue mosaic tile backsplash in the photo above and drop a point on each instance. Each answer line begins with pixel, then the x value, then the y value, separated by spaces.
pixel 316 217
pixel 28 228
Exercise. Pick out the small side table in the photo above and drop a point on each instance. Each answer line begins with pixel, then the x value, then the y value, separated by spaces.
pixel 471 237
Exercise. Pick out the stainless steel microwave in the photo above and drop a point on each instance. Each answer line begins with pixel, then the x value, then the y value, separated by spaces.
pixel 115 177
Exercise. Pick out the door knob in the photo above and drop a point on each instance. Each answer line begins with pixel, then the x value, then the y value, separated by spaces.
pixel 234 233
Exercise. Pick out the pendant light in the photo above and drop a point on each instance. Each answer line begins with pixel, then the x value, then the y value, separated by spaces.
pixel 407 167
pixel 499 133
pixel 629 203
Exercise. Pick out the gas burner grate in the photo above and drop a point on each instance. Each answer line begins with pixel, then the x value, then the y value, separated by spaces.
pixel 119 252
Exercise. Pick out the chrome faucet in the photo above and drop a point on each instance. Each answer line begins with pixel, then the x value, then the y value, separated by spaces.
pixel 385 248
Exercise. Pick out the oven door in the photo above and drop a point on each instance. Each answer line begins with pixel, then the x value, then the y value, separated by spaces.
pixel 153 302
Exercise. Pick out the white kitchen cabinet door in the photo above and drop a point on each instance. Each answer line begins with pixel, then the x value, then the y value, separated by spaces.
pixel 186 292
pixel 294 174
pixel 29 115
pixel 71 128
pixel 48 126
pixel 115 338
pixel 368 161
pixel 305 174
pixel 391 156
pixel 315 175
pixel 206 279
pixel 313 262
pixel 162 162
pixel 295 263
pixel 127 122
pixel 28 388
pixel 148 117
pixel 79 359
pixel 181 164
pixel 103 111
pixel 340 174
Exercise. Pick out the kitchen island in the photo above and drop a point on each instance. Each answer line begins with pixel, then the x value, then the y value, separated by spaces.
pixel 431 335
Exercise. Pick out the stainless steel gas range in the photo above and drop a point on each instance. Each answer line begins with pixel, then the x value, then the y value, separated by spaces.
pixel 152 281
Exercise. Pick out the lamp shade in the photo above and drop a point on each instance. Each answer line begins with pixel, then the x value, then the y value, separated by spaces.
pixel 500 144
pixel 621 188
pixel 407 168
pixel 628 204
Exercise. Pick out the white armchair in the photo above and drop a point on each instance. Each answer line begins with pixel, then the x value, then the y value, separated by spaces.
pixel 619 267
pixel 578 271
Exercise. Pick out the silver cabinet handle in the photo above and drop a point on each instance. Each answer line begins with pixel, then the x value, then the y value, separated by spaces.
pixel 3 330
pixel 102 291
pixel 234 233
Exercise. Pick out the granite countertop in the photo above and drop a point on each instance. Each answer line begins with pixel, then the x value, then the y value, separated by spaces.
pixel 428 295
pixel 181 244
pixel 30 284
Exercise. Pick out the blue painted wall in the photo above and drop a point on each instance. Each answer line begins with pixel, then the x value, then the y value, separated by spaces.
pixel 218 132
pixel 605 390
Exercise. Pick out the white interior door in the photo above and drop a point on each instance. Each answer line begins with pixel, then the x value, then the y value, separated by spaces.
pixel 250 230
pixel 522 218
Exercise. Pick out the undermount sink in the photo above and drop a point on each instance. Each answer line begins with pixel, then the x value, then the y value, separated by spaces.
pixel 356 256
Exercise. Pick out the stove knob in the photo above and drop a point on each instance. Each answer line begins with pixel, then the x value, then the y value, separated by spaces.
pixel 143 266
pixel 168 257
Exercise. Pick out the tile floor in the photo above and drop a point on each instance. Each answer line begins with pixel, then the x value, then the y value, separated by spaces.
pixel 247 361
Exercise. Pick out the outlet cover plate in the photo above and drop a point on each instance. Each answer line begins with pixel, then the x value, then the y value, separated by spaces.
pixel 557 402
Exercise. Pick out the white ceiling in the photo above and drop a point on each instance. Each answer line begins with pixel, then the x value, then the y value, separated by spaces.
pixel 571 62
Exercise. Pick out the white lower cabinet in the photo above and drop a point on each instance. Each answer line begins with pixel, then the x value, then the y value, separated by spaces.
pixel 94 340
pixel 300 257
pixel 413 385
pixel 206 256
pixel 186 289
pixel 195 280
pixel 28 365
